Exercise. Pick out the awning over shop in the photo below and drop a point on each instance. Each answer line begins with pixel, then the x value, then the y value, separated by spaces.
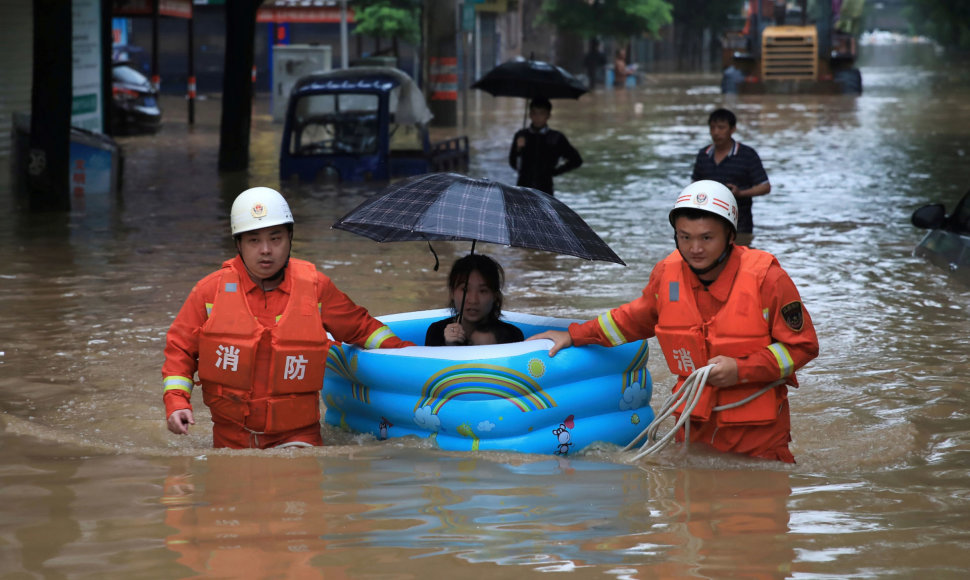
pixel 302 11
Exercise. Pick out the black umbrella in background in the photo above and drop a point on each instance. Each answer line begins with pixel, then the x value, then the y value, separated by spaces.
pixel 450 206
pixel 529 79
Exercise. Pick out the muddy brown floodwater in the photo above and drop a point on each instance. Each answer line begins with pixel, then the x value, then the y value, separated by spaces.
pixel 94 486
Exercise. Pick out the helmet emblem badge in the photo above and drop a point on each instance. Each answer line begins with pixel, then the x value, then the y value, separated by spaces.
pixel 700 199
pixel 258 210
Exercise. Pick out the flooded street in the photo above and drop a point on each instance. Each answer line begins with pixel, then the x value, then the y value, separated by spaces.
pixel 93 485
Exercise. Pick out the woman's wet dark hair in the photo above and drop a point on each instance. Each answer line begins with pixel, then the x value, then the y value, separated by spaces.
pixel 491 272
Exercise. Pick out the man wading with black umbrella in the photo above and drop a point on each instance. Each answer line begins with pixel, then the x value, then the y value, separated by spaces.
pixel 539 153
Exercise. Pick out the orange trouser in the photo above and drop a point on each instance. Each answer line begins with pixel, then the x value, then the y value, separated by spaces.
pixel 235 437
pixel 763 441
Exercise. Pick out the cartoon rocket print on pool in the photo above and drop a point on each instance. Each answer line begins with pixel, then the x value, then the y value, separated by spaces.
pixel 466 430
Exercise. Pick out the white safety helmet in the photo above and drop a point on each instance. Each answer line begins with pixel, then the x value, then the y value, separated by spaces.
pixel 258 207
pixel 710 196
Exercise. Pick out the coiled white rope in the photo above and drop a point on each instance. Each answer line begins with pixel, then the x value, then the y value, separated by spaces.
pixel 688 395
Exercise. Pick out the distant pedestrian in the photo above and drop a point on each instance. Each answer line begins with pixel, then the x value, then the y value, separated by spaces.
pixel 594 61
pixel 622 70
pixel 539 153
pixel 735 165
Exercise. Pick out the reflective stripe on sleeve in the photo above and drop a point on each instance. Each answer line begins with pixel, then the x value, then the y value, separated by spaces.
pixel 785 363
pixel 377 338
pixel 610 329
pixel 178 384
pixel 208 309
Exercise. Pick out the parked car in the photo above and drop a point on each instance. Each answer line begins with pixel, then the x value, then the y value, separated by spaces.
pixel 947 244
pixel 134 56
pixel 134 102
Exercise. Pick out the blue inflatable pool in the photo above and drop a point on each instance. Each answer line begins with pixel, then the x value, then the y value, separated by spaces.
pixel 510 397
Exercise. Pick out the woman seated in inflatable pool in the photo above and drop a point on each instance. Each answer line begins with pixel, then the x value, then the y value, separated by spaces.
pixel 475 289
pixel 497 393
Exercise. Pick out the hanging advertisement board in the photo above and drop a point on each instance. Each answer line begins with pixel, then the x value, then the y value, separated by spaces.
pixel 86 110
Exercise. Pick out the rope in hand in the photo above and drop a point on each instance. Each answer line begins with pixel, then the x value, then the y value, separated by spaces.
pixel 688 396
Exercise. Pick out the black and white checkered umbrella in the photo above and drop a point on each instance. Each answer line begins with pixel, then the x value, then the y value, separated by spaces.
pixel 449 206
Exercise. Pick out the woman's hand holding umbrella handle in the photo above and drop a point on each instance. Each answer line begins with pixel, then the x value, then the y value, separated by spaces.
pixel 560 340
pixel 454 334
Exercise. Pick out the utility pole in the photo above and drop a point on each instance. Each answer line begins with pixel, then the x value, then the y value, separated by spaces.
pixel 48 171
pixel 237 85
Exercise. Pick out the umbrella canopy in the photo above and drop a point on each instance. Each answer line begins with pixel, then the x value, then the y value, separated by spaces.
pixel 449 206
pixel 530 79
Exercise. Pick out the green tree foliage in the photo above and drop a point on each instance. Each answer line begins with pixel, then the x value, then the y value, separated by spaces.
pixel 693 17
pixel 698 15
pixel 393 19
pixel 608 18
pixel 945 21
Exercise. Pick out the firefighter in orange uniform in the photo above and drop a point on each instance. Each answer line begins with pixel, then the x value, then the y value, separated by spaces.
pixel 256 333
pixel 713 303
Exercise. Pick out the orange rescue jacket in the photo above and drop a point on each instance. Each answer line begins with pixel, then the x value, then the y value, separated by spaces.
pixel 739 329
pixel 228 344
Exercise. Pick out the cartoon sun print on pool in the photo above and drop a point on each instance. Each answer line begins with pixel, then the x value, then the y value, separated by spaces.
pixel 536 368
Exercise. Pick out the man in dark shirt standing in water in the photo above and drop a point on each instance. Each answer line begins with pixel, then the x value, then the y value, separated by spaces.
pixel 539 153
pixel 734 165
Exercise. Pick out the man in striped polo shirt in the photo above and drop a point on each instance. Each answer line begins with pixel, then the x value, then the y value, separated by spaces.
pixel 735 165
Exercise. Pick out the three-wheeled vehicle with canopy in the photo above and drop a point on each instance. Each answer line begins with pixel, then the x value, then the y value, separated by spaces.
pixel 362 124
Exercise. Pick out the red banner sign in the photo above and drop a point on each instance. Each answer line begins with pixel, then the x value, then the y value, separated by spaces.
pixel 173 8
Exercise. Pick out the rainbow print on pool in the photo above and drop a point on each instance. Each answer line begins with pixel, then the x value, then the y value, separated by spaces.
pixel 509 397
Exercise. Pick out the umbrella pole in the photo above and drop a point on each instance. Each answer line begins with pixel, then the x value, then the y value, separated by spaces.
pixel 464 294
